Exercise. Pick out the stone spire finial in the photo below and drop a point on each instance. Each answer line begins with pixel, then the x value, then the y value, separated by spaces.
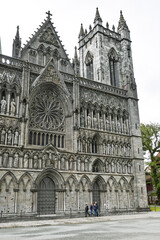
pixel 16 49
pixel 48 15
pixel 122 22
pixel 97 17
pixel 17 33
pixel 75 54
pixel 81 33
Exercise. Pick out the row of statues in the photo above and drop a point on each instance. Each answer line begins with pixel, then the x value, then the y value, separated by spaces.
pixel 63 163
pixel 9 137
pixel 106 148
pixel 4 106
pixel 101 124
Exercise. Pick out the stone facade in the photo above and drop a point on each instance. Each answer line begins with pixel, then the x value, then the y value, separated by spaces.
pixel 70 132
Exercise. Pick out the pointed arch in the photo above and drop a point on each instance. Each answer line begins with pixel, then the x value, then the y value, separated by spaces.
pixel 89 65
pixel 101 182
pixel 113 62
pixel 98 165
pixel 72 180
pixel 30 179
pixel 88 181
pixel 8 181
pixel 123 183
pixel 111 182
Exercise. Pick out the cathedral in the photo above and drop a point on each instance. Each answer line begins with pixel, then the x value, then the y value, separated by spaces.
pixel 70 130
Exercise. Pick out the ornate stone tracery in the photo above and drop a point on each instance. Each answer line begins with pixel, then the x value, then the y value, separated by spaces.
pixel 46 110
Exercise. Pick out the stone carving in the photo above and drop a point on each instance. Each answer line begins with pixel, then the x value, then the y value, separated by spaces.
pixel 49 37
pixel 89 120
pixel 3 105
pixel 9 137
pixel 13 107
pixel 16 159
pixel 26 161
pixel 46 111
pixel 16 135
pixel 5 159
pixel 3 136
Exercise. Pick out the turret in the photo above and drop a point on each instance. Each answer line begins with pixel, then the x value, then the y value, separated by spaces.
pixel 16 47
pixel 97 19
pixel 76 62
pixel 81 33
pixel 123 28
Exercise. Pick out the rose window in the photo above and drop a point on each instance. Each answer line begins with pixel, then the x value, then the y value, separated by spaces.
pixel 46 110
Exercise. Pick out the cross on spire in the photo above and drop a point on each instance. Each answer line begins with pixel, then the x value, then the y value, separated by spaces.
pixel 49 15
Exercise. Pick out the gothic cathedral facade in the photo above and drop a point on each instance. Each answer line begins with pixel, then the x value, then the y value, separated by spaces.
pixel 70 131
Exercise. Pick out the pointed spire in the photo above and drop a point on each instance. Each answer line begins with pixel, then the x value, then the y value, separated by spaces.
pixel 122 22
pixel 0 47
pixel 107 25
pixel 16 48
pixel 75 54
pixel 17 34
pixel 97 17
pixel 81 34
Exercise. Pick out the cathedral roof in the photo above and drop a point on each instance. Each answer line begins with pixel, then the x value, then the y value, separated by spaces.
pixel 47 34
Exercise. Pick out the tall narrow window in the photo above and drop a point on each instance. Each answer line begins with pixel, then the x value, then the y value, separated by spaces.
pixel 89 66
pixel 113 60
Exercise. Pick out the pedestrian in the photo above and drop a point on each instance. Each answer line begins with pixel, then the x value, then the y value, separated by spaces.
pixel 96 209
pixel 91 209
pixel 86 210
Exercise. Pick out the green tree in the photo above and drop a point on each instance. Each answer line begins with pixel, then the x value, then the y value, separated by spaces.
pixel 151 143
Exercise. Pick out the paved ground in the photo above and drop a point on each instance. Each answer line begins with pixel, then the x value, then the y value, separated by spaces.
pixel 127 227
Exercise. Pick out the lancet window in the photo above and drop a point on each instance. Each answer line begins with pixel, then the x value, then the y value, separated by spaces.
pixel 113 60
pixel 89 66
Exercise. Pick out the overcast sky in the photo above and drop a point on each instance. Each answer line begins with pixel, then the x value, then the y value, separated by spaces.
pixel 142 17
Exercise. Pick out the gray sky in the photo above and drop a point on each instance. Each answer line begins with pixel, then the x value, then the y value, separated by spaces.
pixel 143 19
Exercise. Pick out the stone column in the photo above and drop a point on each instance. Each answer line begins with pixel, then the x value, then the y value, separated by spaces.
pixel 15 199
pixel 8 100
pixel 104 120
pixel 117 198
pixel 17 106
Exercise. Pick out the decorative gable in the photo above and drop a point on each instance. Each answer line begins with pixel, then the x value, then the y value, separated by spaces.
pixel 49 37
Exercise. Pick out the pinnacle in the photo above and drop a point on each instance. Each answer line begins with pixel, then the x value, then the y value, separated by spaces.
pixel 81 34
pixel 122 22
pixel 97 17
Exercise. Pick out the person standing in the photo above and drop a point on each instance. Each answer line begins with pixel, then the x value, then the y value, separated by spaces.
pixel 86 210
pixel 96 209
pixel 91 209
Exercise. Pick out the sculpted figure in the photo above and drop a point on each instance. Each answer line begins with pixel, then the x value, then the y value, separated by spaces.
pixel 9 137
pixel 101 123
pixel 5 159
pixel 89 121
pixel 13 107
pixel 35 161
pixel 3 105
pixel 26 162
pixel 95 121
pixel 3 135
pixel 16 158
pixel 16 134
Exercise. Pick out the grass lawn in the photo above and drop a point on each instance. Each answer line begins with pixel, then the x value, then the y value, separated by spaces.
pixel 153 208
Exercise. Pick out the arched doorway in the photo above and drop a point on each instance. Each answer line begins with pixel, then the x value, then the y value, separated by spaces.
pixel 96 194
pixel 46 196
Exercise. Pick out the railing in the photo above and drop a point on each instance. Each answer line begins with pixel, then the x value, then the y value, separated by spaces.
pixel 18 63
pixel 102 87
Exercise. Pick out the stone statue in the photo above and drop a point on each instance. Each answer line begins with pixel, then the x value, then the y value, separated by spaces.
pixel 3 136
pixel 9 137
pixel 35 161
pixel 16 159
pixel 3 105
pixel 26 162
pixel 5 159
pixel 101 123
pixel 82 120
pixel 89 121
pixel 13 107
pixel 16 134
pixel 107 124
pixel 95 121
